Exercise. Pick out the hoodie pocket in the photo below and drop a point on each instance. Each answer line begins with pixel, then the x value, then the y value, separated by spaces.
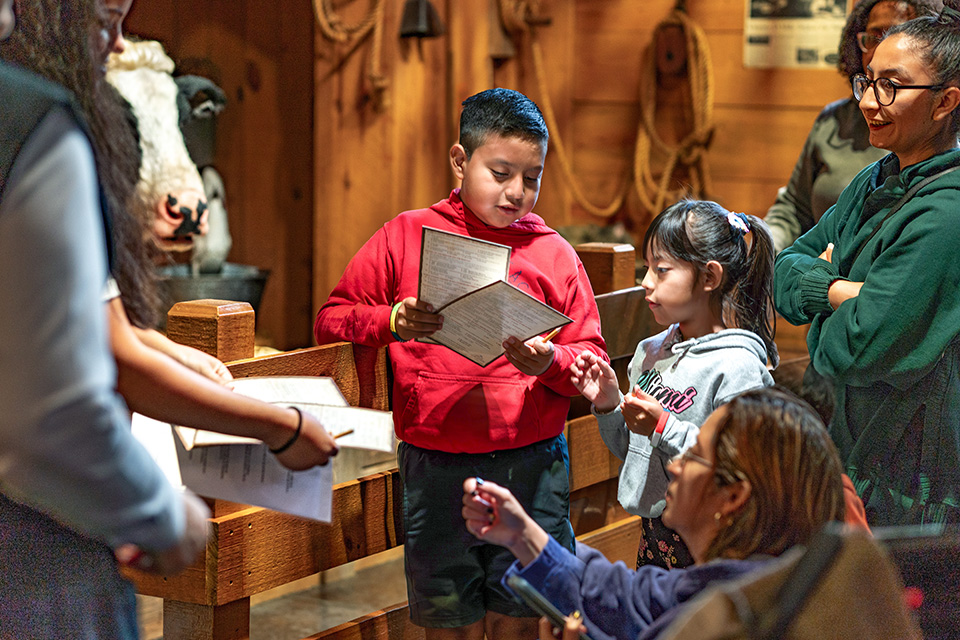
pixel 472 410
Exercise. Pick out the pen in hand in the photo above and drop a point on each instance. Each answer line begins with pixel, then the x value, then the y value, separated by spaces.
pixel 550 336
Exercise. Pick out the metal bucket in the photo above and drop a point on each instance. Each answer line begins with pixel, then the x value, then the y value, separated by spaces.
pixel 238 282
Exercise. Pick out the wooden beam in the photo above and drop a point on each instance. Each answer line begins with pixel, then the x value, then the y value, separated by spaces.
pixel 590 459
pixel 186 621
pixel 256 549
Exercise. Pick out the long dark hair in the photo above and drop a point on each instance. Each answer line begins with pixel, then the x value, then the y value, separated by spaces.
pixel 700 231
pixel 53 39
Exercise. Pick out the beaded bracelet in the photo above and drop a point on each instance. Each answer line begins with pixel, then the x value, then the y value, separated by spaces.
pixel 293 438
pixel 393 322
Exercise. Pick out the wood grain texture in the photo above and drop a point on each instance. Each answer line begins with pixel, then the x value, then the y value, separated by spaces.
pixel 264 61
pixel 256 549
pixel 221 328
pixel 610 266
pixel 625 320
pixel 590 460
pixel 392 623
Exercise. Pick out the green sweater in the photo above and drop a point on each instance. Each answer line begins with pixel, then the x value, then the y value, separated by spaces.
pixel 891 351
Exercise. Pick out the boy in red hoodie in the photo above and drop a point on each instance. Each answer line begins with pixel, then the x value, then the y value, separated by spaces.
pixel 454 418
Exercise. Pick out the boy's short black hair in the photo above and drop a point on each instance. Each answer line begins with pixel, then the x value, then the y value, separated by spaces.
pixel 501 112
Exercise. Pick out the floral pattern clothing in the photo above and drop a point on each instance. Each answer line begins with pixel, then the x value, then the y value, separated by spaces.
pixel 661 546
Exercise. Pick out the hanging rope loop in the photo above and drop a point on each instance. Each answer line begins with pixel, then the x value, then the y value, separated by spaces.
pixel 690 152
pixel 334 29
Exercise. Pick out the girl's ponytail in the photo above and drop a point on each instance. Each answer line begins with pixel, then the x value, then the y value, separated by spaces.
pixel 753 293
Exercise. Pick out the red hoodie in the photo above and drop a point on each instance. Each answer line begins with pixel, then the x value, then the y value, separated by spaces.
pixel 441 400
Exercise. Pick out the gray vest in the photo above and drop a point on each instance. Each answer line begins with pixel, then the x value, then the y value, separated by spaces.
pixel 25 99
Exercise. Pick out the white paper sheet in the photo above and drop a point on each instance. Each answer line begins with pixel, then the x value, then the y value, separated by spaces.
pixel 250 474
pixel 287 390
pixel 452 265
pixel 243 470
pixel 476 325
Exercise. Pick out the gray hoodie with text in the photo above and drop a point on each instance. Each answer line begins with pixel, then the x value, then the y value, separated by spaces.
pixel 690 378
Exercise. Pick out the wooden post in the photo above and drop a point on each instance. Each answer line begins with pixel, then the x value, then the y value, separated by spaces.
pixel 222 328
pixel 610 266
pixel 222 622
pixel 225 330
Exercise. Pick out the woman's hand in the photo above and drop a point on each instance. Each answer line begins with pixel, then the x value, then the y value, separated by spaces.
pixel 596 381
pixel 194 359
pixel 182 554
pixel 532 357
pixel 493 515
pixel 571 630
pixel 314 446
pixel 416 319
pixel 203 363
pixel 641 411
pixel 840 290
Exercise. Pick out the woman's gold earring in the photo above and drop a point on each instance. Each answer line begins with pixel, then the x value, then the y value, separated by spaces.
pixel 717 516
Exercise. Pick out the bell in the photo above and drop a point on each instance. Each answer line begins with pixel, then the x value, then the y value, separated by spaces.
pixel 420 20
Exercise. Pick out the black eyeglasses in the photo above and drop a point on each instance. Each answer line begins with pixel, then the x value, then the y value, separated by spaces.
pixel 868 41
pixel 884 88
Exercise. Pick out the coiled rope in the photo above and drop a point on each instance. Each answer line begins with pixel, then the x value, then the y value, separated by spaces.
pixel 334 29
pixel 688 153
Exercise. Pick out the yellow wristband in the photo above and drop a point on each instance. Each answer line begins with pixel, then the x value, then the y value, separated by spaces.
pixel 393 322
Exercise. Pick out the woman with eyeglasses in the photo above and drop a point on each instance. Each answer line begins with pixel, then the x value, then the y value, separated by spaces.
pixel 838 146
pixel 763 476
pixel 878 279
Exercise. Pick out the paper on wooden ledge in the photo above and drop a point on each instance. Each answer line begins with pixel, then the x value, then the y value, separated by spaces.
pixel 318 396
pixel 242 469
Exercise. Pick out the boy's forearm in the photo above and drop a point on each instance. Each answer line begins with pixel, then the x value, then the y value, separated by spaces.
pixel 368 325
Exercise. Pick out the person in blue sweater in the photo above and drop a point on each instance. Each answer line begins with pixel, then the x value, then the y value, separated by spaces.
pixel 762 477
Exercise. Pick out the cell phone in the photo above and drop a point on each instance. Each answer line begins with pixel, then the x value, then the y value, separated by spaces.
pixel 536 601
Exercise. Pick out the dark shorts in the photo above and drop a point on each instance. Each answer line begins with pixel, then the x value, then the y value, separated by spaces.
pixel 453 579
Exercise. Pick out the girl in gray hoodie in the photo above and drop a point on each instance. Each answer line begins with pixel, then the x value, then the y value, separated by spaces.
pixel 709 280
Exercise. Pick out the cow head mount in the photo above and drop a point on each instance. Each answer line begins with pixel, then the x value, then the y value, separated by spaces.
pixel 170 193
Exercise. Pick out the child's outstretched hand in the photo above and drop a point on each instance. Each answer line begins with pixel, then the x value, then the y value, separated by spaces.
pixel 416 319
pixel 532 357
pixel 493 515
pixel 596 381
pixel 641 412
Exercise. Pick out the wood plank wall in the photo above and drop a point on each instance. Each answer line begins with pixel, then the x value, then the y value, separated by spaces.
pixel 261 54
pixel 311 174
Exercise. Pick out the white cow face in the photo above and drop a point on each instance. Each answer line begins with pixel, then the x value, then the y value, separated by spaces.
pixel 170 191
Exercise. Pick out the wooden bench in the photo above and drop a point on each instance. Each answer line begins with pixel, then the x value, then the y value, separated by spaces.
pixel 252 550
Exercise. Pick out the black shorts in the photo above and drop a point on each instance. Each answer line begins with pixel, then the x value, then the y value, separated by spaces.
pixel 453 578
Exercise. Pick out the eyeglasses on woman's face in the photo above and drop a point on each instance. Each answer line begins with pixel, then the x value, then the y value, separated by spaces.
pixel 868 41
pixel 690 456
pixel 884 88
